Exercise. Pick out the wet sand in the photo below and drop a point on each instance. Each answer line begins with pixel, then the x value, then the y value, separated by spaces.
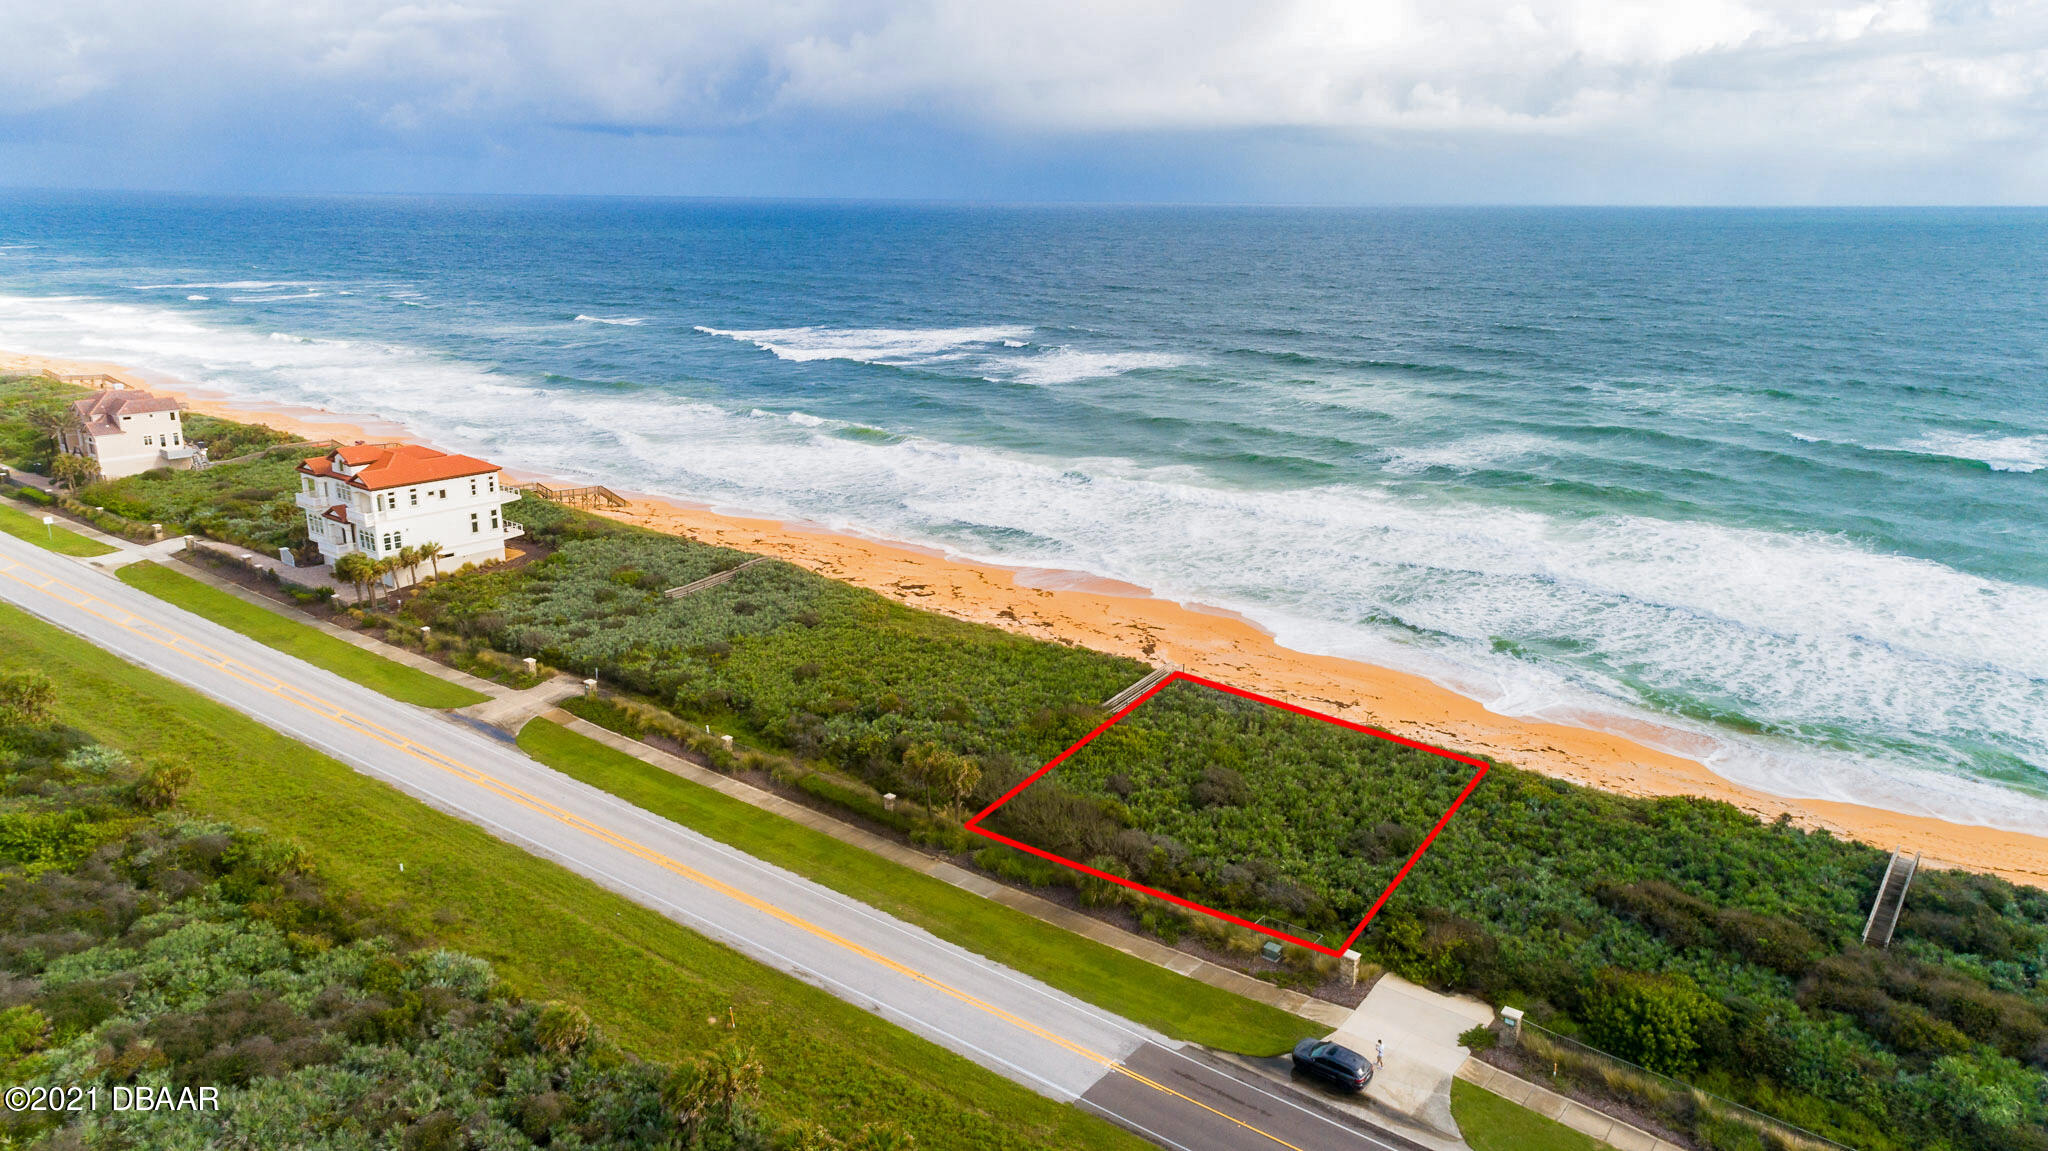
pixel 1077 608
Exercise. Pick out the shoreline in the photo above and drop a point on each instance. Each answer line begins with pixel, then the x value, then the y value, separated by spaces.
pixel 1082 609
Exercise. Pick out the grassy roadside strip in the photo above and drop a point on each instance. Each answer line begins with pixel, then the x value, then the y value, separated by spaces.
pixel 660 989
pixel 1491 1123
pixel 1173 1004
pixel 16 522
pixel 402 683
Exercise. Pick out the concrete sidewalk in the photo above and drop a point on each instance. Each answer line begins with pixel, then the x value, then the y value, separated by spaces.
pixel 1570 1112
pixel 510 711
pixel 1420 1029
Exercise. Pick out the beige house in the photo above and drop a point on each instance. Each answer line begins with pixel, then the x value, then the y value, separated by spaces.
pixel 128 432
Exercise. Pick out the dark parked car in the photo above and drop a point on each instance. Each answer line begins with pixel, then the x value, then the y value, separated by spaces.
pixel 1339 1066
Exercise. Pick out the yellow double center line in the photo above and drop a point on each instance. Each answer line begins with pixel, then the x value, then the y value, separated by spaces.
pixel 228 665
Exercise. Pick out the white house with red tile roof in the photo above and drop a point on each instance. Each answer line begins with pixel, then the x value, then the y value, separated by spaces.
pixel 128 432
pixel 378 498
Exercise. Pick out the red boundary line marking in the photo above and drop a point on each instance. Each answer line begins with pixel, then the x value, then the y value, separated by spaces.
pixel 974 824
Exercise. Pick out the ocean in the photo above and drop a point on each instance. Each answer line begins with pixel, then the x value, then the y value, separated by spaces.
pixel 1777 480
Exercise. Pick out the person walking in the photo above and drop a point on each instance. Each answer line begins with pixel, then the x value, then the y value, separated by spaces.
pixel 1379 1054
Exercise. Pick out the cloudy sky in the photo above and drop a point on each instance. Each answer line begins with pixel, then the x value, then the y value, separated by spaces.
pixel 1372 101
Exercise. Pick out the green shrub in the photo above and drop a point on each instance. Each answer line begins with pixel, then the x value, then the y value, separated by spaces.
pixel 1480 1038
pixel 251 504
pixel 188 953
pixel 1660 1022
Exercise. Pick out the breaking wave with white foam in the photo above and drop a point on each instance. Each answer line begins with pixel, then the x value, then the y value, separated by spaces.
pixel 996 353
pixel 2000 453
pixel 891 346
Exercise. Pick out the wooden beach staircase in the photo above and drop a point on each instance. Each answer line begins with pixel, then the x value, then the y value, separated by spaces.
pixel 1122 699
pixel 712 580
pixel 1891 899
pixel 590 496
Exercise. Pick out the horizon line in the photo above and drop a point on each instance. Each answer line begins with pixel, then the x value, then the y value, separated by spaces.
pixel 995 202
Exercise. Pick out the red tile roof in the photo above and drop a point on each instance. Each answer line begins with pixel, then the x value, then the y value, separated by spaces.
pixel 338 513
pixel 101 414
pixel 379 466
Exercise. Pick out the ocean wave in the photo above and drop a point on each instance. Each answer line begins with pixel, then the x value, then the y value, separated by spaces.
pixel 1467 455
pixel 999 354
pixel 622 321
pixel 233 285
pixel 273 298
pixel 2001 453
pixel 890 346
pixel 198 297
pixel 1065 365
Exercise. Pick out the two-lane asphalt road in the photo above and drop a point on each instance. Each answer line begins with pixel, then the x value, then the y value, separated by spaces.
pixel 1012 1024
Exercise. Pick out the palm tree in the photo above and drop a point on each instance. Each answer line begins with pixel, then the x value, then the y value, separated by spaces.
pixel 53 420
pixel 409 558
pixel 431 551
pixel 356 568
pixel 381 567
pixel 74 472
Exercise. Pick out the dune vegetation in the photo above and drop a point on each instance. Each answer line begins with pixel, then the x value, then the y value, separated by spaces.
pixel 1680 934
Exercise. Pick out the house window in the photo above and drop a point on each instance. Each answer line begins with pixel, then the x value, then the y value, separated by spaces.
pixel 472 487
pixel 148 441
pixel 472 523
pixel 387 541
pixel 174 415
pixel 174 440
pixel 414 494
pixel 490 483
pixel 494 519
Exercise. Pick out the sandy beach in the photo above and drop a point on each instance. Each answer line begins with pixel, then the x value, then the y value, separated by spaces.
pixel 1075 608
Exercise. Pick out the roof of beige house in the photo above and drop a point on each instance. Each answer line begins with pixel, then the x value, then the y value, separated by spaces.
pixel 101 414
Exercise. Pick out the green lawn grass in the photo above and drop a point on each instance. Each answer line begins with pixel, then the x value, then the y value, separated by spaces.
pixel 653 985
pixel 1131 987
pixel 19 523
pixel 1490 1123
pixel 407 684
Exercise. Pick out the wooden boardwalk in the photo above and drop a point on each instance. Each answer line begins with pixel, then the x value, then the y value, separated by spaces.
pixel 1891 899
pixel 712 580
pixel 1122 699
pixel 590 496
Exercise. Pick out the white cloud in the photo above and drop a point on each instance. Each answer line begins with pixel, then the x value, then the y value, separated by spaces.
pixel 1761 77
